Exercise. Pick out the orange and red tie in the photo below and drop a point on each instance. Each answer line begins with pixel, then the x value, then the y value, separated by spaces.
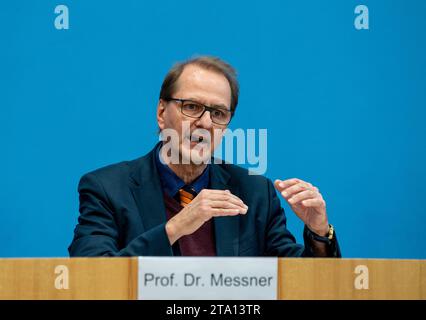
pixel 185 197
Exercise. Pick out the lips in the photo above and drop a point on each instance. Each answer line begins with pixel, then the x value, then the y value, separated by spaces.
pixel 199 138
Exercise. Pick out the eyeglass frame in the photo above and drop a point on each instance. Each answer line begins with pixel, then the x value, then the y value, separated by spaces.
pixel 206 108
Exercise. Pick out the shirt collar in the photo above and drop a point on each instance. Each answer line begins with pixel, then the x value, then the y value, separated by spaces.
pixel 171 183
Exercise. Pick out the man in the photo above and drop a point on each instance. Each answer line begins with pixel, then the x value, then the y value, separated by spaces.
pixel 153 206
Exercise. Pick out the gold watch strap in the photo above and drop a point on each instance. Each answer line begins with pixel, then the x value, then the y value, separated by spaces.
pixel 331 232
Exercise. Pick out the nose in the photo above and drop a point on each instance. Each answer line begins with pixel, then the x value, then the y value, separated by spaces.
pixel 205 121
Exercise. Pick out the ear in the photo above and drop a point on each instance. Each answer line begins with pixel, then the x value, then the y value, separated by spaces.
pixel 161 109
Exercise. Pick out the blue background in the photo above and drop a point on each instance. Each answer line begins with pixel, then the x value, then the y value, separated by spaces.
pixel 344 108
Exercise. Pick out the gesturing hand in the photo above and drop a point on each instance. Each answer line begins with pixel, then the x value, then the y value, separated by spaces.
pixel 207 204
pixel 306 201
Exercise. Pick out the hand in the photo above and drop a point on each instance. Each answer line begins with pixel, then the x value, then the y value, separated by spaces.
pixel 207 204
pixel 306 201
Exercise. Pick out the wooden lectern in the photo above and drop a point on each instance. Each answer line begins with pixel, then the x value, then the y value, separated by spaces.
pixel 301 278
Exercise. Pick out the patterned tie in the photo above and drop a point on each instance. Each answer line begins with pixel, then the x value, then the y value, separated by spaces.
pixel 202 241
pixel 186 196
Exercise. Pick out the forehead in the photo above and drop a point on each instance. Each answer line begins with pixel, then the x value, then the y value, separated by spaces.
pixel 205 86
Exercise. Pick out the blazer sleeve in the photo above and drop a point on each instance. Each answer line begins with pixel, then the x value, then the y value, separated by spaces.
pixel 280 241
pixel 96 233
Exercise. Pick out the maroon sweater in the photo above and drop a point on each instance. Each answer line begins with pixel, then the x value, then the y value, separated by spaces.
pixel 199 243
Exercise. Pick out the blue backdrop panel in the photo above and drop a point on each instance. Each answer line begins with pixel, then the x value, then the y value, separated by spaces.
pixel 344 108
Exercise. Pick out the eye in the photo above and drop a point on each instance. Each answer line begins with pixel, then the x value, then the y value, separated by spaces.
pixel 218 113
pixel 192 107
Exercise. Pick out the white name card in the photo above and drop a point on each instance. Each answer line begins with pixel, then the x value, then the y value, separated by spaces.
pixel 204 278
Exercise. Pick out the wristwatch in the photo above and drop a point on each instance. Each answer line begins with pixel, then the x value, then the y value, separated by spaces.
pixel 325 239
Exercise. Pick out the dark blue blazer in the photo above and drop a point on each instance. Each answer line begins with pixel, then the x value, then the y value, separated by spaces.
pixel 122 213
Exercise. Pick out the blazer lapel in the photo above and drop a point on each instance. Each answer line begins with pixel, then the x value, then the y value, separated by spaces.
pixel 226 228
pixel 146 189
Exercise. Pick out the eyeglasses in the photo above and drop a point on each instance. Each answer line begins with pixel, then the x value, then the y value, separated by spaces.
pixel 195 109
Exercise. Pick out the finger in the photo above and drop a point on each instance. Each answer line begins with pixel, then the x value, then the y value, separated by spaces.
pixel 227 205
pixel 312 187
pixel 225 195
pixel 277 184
pixel 229 197
pixel 290 191
pixel 282 184
pixel 317 202
pixel 216 191
pixel 233 197
pixel 225 212
pixel 307 194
